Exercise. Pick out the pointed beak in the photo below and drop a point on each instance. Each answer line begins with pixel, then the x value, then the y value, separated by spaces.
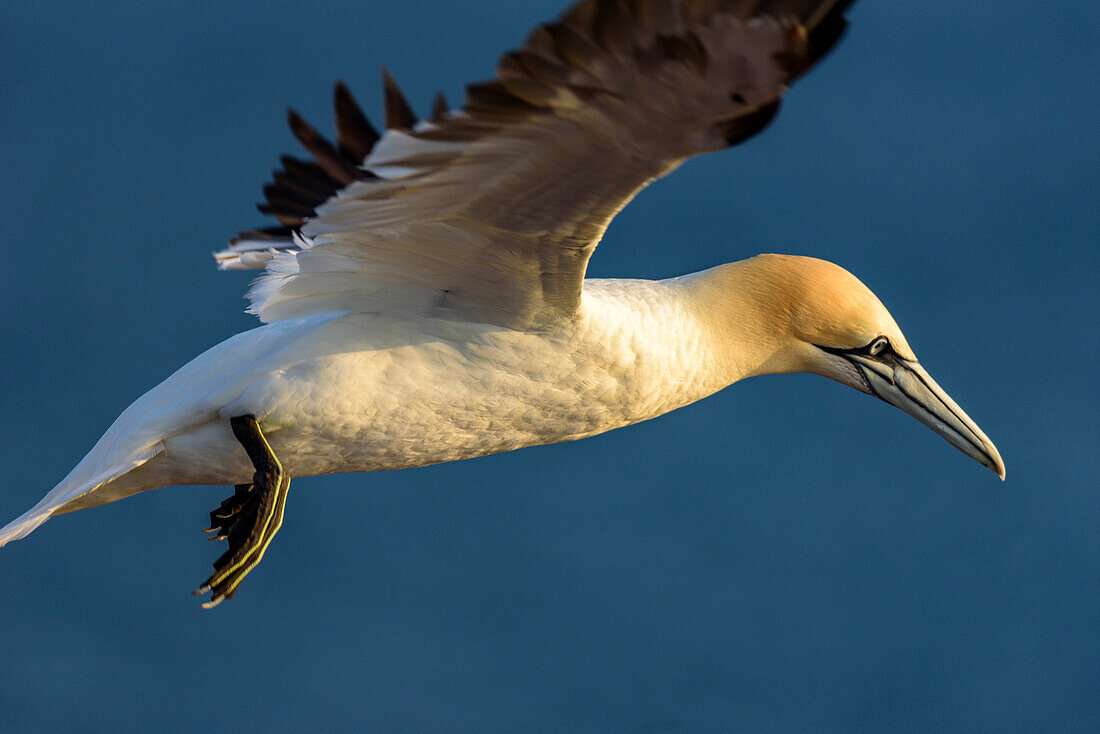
pixel 908 386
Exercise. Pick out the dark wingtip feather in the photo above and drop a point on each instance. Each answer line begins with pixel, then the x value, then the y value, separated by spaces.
pixel 821 23
pixel 824 38
pixel 287 220
pixel 744 127
pixel 354 134
pixel 303 185
pixel 276 235
pixel 322 150
pixel 398 112
pixel 826 12
pixel 440 107
pixel 612 26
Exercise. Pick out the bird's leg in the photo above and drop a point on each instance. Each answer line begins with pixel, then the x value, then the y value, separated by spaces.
pixel 251 517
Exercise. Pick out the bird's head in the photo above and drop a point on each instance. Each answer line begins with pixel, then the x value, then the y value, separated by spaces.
pixel 833 325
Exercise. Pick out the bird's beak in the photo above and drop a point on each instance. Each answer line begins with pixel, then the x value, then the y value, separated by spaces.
pixel 908 386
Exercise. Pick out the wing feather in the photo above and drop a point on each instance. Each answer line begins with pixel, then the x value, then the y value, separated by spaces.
pixel 492 212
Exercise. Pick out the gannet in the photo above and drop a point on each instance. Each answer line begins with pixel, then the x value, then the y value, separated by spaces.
pixel 424 298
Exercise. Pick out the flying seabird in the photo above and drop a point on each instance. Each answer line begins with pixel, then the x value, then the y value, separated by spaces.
pixel 424 297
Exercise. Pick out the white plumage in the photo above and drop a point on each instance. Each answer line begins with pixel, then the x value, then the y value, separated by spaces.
pixel 431 304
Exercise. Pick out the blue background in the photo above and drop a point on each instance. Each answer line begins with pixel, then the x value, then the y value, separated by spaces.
pixel 785 556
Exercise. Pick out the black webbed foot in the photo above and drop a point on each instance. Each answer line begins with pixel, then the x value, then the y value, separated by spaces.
pixel 224 518
pixel 250 518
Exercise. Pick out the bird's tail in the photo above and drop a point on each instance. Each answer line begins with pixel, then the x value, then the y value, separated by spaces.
pixel 87 485
pixel 23 525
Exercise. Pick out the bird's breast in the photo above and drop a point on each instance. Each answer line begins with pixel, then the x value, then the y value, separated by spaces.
pixel 367 393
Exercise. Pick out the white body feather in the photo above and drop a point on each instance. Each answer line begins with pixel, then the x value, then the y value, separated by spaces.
pixel 364 392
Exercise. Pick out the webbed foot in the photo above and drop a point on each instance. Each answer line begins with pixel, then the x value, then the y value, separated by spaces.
pixel 250 518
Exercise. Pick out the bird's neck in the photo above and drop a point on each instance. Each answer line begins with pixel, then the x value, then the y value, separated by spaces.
pixel 683 338
pixel 743 316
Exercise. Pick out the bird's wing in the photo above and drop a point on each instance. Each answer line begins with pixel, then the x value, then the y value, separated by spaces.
pixel 490 213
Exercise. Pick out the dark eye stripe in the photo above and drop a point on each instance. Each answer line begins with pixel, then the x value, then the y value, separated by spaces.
pixel 879 348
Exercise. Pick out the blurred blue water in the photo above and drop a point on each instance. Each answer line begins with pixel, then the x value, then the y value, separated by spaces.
pixel 785 556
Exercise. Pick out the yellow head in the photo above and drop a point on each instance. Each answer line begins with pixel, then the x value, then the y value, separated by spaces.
pixel 801 314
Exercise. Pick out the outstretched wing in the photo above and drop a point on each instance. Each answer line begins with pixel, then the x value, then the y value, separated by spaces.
pixel 491 213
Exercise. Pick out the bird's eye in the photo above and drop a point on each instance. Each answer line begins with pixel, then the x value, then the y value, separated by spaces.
pixel 878 345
